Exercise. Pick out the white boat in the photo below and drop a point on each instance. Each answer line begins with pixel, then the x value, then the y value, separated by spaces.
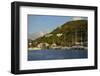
pixel 65 47
pixel 79 47
pixel 35 48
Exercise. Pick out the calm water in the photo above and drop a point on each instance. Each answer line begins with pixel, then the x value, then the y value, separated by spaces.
pixel 56 54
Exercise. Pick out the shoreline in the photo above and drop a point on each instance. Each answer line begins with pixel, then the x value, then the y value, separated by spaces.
pixel 63 48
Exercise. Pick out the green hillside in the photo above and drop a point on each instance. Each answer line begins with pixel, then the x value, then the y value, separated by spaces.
pixel 66 34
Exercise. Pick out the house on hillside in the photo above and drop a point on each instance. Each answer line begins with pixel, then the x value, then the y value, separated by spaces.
pixel 43 45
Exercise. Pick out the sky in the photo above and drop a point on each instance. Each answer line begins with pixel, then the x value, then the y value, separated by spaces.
pixel 45 23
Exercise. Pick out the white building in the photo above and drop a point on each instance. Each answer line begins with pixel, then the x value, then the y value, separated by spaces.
pixel 42 45
pixel 59 34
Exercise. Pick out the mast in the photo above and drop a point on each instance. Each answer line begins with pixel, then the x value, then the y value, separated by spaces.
pixel 81 39
pixel 72 39
pixel 81 36
pixel 75 37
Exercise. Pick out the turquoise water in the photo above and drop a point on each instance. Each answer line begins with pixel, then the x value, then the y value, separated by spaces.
pixel 51 54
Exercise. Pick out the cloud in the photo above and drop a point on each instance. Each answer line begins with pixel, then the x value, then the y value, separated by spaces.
pixel 79 18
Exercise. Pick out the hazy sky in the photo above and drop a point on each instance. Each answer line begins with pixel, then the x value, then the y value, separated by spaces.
pixel 44 23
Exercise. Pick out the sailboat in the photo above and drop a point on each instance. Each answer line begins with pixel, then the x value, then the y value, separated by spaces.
pixel 78 45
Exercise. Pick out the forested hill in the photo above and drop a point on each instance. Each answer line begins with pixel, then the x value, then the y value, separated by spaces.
pixel 65 34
